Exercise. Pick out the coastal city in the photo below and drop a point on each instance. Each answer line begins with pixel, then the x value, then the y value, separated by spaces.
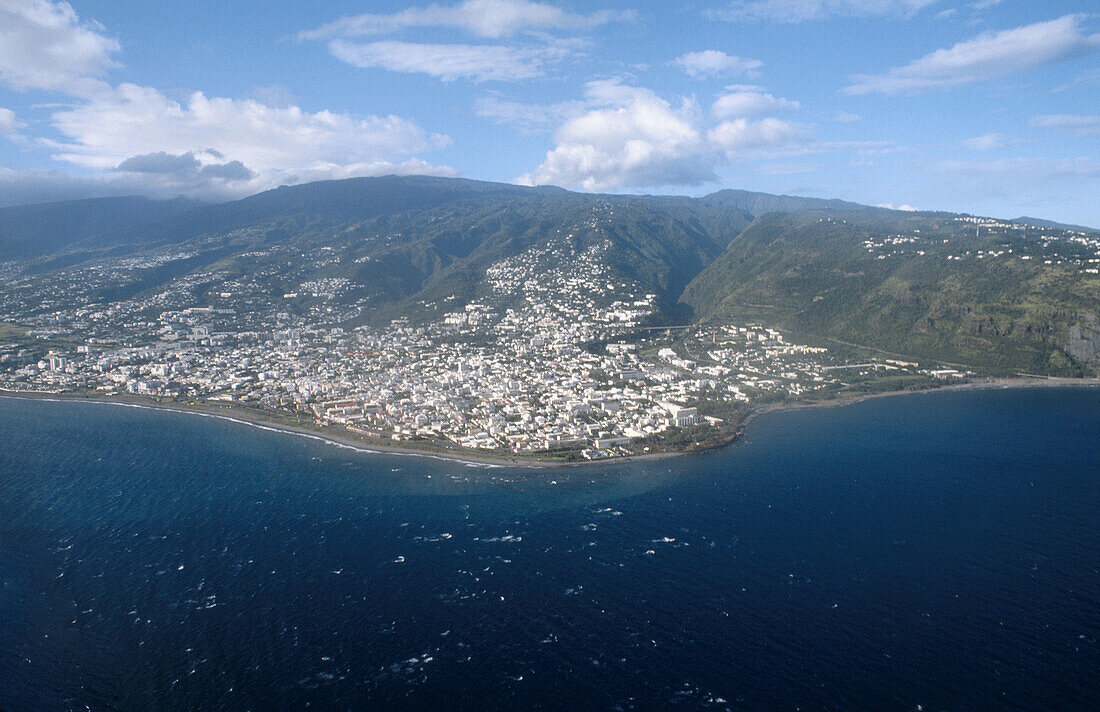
pixel 555 359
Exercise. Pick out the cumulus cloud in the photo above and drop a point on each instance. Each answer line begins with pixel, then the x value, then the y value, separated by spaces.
pixel 988 55
pixel 186 165
pixel 160 162
pixel 634 138
pixel 448 61
pixel 45 45
pixel 1073 123
pixel 742 134
pixel 713 62
pixel 806 10
pixel 484 18
pixel 748 100
pixel 134 120
pixel 8 123
pixel 215 147
pixel 142 141
pixel 630 137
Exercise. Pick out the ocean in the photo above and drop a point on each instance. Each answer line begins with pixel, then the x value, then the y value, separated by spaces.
pixel 928 552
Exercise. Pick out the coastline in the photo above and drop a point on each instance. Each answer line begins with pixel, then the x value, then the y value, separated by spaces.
pixel 975 385
pixel 237 414
pixel 241 416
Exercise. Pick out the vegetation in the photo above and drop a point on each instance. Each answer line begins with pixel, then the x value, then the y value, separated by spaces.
pixel 11 332
pixel 919 286
pixel 1005 301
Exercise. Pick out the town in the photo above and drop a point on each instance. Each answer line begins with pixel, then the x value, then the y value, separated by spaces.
pixel 555 360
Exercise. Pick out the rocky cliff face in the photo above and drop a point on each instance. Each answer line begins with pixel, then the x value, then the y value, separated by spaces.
pixel 1083 342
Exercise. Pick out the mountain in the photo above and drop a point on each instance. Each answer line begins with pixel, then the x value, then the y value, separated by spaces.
pixel 920 285
pixel 46 228
pixel 764 203
pixel 1002 295
pixel 1039 222
pixel 404 243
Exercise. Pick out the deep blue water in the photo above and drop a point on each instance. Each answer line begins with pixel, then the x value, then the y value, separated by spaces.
pixel 939 550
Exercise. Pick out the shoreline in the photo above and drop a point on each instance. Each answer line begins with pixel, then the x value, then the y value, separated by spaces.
pixel 237 414
pixel 976 385
pixel 242 416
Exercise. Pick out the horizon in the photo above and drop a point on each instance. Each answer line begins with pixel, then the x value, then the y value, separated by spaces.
pixel 920 107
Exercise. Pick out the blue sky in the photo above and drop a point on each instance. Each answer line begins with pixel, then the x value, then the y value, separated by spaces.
pixel 982 106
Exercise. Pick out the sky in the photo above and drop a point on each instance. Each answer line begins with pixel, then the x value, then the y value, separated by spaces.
pixel 990 107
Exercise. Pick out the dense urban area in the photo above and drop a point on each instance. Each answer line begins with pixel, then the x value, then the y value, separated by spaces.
pixel 552 374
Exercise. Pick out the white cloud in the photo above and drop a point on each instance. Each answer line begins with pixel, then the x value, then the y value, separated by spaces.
pixel 904 206
pixel 145 142
pixel 448 61
pixel 987 142
pixel 484 18
pixel 222 141
pixel 806 10
pixel 631 137
pixel 988 55
pixel 45 45
pixel 749 101
pixel 846 117
pixel 8 123
pixel 1073 123
pixel 635 138
pixel 712 62
pixel 742 134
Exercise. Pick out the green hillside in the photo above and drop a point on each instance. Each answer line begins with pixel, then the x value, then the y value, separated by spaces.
pixel 1002 295
pixel 28 231
pixel 403 244
pixel 928 286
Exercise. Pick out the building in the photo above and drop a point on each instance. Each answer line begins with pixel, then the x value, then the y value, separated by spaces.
pixel 57 361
